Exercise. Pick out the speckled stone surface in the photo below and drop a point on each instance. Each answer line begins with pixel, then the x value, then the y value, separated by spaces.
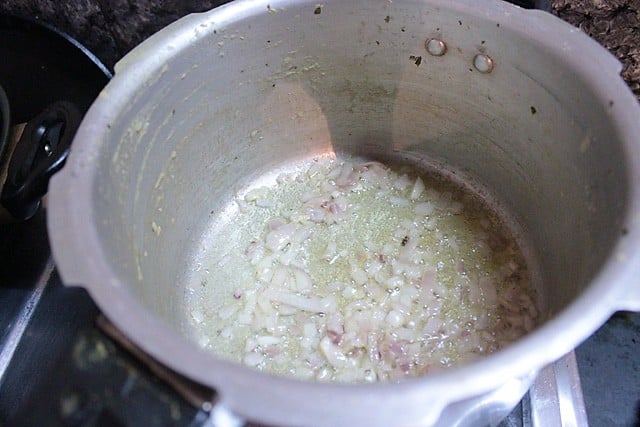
pixel 613 23
pixel 609 361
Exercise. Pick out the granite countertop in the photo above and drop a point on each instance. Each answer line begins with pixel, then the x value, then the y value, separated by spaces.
pixel 609 361
pixel 615 24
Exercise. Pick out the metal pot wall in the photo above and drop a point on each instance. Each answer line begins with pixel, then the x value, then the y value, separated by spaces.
pixel 519 103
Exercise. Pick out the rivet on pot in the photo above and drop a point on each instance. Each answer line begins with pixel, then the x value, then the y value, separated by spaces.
pixel 436 47
pixel 483 63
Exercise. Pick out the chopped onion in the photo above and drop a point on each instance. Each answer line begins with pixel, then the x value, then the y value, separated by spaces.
pixel 425 208
pixel 417 190
pixel 278 238
pixel 353 272
pixel 315 305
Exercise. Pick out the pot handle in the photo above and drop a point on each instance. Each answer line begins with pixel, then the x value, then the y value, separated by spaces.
pixel 628 299
pixel 41 151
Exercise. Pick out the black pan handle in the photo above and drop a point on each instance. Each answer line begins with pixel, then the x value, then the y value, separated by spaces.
pixel 41 152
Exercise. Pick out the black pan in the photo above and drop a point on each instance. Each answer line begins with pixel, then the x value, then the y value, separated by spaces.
pixel 50 80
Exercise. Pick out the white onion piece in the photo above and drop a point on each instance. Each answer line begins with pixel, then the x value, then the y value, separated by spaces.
pixel 395 318
pixel 253 359
pixel 315 305
pixel 402 182
pixel 267 340
pixel 256 194
pixel 333 354
pixel 399 201
pixel 278 238
pixel 303 280
pixel 425 208
pixel 418 188
pixel 227 311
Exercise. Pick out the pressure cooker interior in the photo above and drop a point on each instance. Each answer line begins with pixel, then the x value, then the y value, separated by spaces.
pixel 243 101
